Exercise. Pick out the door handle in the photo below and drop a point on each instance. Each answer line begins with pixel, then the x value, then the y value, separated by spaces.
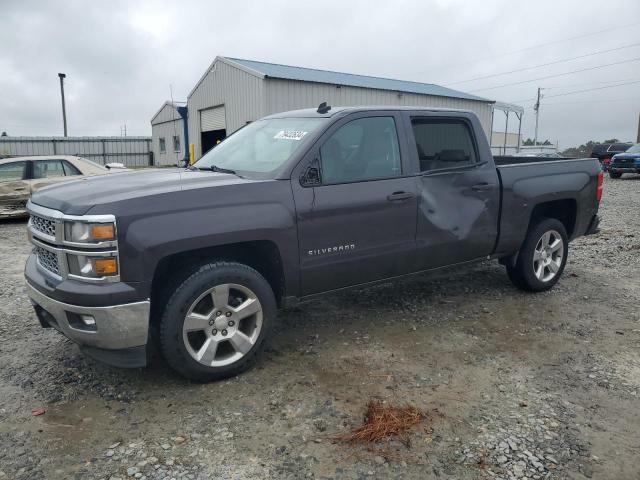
pixel 399 196
pixel 478 187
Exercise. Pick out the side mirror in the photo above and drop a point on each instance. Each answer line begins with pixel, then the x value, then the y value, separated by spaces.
pixel 311 176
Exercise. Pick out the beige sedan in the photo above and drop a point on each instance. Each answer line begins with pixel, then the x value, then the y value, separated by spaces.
pixel 21 176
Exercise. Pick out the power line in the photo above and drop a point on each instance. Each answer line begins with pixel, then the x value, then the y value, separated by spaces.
pixel 545 64
pixel 612 100
pixel 590 89
pixel 614 28
pixel 592 83
pixel 579 91
pixel 557 75
pixel 609 84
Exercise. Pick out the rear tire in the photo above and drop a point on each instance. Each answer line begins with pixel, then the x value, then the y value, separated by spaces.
pixel 615 174
pixel 216 321
pixel 542 257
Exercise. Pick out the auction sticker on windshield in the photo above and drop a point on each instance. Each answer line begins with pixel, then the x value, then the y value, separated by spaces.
pixel 290 135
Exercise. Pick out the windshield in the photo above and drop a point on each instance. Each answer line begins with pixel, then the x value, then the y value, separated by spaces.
pixel 634 149
pixel 261 146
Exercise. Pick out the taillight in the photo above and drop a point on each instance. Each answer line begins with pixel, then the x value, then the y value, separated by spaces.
pixel 600 186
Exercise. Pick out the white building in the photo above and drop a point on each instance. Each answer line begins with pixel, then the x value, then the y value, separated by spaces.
pixel 233 92
pixel 169 138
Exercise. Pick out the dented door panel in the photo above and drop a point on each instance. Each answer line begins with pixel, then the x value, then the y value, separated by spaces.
pixel 457 216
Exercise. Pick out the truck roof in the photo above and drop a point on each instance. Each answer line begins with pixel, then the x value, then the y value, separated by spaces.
pixel 313 112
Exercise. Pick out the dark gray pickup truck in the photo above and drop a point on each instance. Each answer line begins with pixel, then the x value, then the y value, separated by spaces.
pixel 297 204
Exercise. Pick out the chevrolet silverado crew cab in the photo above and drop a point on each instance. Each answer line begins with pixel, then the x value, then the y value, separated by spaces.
pixel 291 206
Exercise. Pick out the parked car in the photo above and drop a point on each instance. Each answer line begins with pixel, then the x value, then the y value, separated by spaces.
pixel 605 151
pixel 539 154
pixel 289 207
pixel 627 162
pixel 21 176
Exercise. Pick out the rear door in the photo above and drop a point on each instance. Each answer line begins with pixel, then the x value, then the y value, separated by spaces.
pixel 14 188
pixel 458 191
pixel 358 222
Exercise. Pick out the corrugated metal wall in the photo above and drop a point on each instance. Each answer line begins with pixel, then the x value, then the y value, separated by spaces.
pixel 166 114
pixel 283 95
pixel 168 130
pixel 239 92
pixel 247 98
pixel 132 151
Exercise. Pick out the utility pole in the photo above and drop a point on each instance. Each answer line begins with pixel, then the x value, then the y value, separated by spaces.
pixel 536 107
pixel 64 110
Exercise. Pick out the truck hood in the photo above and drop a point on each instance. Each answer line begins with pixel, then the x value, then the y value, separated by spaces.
pixel 79 196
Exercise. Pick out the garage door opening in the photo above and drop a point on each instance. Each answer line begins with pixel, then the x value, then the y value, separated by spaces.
pixel 211 139
pixel 213 127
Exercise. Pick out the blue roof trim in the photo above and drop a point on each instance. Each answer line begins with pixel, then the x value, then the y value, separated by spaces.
pixel 288 72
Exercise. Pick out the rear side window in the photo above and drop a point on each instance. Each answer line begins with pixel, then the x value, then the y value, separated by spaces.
pixel 11 172
pixel 443 143
pixel 363 149
pixel 70 169
pixel 47 169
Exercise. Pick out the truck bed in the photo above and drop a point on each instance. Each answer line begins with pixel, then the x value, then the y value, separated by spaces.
pixel 527 181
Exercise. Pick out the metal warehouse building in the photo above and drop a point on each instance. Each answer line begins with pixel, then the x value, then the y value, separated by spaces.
pixel 233 92
pixel 169 136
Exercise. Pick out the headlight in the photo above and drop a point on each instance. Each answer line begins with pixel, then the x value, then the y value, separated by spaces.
pixel 84 232
pixel 92 266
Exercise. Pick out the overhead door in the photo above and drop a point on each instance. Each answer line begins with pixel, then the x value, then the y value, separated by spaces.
pixel 212 119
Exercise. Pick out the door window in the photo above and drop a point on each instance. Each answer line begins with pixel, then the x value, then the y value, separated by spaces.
pixel 12 172
pixel 47 169
pixel 363 149
pixel 70 169
pixel 443 143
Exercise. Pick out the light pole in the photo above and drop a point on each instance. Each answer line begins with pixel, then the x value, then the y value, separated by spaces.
pixel 64 110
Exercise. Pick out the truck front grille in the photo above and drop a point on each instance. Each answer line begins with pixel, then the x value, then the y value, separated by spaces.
pixel 48 260
pixel 44 225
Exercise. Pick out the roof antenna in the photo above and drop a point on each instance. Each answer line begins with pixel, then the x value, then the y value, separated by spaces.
pixel 323 108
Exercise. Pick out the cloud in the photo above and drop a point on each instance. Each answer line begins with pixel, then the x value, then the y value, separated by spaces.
pixel 120 57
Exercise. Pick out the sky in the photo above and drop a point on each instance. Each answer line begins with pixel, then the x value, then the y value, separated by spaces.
pixel 124 58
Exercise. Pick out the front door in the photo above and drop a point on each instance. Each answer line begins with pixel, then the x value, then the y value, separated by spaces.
pixel 459 194
pixel 14 188
pixel 358 223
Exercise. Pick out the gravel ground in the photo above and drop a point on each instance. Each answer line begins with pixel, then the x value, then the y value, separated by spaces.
pixel 515 385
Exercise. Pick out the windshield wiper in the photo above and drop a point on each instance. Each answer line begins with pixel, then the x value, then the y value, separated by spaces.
pixel 215 168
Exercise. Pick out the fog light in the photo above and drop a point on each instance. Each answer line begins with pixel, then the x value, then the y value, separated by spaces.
pixel 88 320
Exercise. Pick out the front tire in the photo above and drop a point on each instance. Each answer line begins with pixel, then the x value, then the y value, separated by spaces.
pixel 542 258
pixel 615 174
pixel 216 321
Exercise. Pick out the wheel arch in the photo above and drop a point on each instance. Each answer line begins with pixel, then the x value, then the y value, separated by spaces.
pixel 565 211
pixel 262 255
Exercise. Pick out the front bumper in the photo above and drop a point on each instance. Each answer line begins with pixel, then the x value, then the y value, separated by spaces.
pixel 117 335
